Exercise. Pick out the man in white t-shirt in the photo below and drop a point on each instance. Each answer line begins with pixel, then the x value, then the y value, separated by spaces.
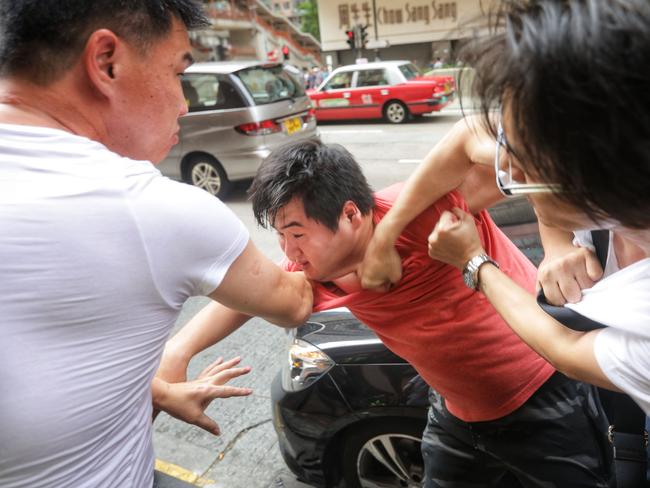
pixel 615 296
pixel 98 251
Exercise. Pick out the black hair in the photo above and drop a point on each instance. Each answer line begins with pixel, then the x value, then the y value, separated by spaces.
pixel 324 176
pixel 574 76
pixel 41 39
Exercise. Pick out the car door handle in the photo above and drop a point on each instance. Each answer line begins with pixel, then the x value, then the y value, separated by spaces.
pixel 384 92
pixel 346 95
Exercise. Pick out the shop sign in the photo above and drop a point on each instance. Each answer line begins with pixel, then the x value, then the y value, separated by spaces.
pixel 351 14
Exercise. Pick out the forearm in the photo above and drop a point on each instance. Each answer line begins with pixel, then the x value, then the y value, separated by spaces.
pixel 570 352
pixel 556 242
pixel 159 391
pixel 442 170
pixel 461 159
pixel 209 326
pixel 521 311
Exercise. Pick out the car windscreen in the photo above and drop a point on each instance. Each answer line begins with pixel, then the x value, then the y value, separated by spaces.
pixel 409 71
pixel 270 84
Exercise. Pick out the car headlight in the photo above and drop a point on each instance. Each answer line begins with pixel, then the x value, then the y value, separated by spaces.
pixel 307 363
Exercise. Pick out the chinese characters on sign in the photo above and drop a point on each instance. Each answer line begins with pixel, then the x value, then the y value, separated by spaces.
pixel 350 13
pixel 346 9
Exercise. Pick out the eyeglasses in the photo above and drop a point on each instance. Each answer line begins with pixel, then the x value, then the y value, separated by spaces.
pixel 506 183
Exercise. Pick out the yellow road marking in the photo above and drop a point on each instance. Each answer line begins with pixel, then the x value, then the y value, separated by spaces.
pixel 181 473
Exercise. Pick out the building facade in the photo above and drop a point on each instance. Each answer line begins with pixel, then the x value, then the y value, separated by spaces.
pixel 421 31
pixel 288 8
pixel 252 30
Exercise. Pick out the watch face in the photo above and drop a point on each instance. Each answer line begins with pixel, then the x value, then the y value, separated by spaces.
pixel 468 279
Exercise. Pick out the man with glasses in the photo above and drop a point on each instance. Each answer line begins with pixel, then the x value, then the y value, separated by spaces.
pixel 505 174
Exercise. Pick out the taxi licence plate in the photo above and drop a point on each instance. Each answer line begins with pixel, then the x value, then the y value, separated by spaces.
pixel 292 125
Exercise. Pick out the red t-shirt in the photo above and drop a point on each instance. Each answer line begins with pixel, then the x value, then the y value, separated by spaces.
pixel 450 334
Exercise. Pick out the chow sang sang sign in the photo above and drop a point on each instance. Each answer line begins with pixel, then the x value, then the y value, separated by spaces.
pixel 394 21
pixel 351 14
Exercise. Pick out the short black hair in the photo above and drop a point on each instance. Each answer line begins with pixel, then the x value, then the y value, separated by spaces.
pixel 574 75
pixel 41 39
pixel 324 176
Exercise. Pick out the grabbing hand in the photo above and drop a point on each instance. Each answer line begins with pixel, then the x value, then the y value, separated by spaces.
pixel 563 276
pixel 188 400
pixel 455 239
pixel 381 267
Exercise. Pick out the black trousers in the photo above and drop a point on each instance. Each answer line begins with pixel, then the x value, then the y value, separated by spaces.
pixel 556 439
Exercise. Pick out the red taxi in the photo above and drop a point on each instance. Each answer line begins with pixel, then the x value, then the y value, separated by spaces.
pixel 395 90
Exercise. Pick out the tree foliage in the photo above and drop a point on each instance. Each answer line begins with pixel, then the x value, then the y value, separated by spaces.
pixel 310 18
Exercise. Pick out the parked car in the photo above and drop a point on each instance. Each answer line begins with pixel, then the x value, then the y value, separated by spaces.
pixel 394 90
pixel 342 400
pixel 347 411
pixel 238 112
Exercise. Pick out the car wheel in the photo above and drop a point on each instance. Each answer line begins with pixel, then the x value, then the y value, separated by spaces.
pixel 396 112
pixel 206 173
pixel 384 454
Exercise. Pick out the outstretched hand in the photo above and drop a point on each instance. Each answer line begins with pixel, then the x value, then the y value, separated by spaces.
pixel 188 400
pixel 455 239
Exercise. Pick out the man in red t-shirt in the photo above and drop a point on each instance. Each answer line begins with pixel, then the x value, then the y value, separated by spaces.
pixel 496 405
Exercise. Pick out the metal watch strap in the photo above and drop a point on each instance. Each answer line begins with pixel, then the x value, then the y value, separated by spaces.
pixel 470 272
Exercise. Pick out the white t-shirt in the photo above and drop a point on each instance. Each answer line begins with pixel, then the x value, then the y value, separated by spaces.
pixel 97 255
pixel 621 300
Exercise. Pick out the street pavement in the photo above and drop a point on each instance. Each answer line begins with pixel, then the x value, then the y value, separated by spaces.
pixel 246 455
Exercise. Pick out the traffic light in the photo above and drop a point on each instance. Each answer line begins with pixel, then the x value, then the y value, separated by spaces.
pixel 351 40
pixel 285 52
pixel 363 35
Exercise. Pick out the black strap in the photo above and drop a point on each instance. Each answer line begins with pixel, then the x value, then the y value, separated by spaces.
pixel 627 421
pixel 570 318
pixel 600 239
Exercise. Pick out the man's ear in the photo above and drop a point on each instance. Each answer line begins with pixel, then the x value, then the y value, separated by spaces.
pixel 351 213
pixel 101 60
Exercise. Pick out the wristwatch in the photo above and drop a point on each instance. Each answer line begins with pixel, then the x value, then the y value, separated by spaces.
pixel 470 272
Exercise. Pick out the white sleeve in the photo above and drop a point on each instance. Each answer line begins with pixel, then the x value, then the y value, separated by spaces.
pixel 191 238
pixel 625 359
pixel 582 238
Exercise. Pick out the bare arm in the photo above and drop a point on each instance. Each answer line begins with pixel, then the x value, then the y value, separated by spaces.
pixel 570 352
pixel 455 240
pixel 255 286
pixel 443 169
pixel 252 286
pixel 462 159
pixel 209 326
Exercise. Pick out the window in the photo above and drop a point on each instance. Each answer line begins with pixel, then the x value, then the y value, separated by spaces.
pixel 372 77
pixel 210 92
pixel 268 85
pixel 340 81
pixel 409 71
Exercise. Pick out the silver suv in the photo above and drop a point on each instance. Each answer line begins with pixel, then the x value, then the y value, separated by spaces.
pixel 238 112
